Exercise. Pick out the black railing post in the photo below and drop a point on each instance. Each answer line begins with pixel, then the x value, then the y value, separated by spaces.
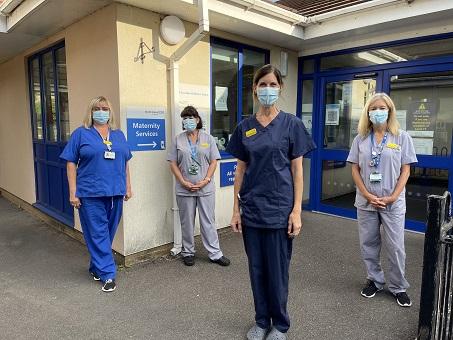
pixel 434 263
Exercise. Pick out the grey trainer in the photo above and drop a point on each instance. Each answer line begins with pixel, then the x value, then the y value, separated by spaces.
pixel 275 334
pixel 256 333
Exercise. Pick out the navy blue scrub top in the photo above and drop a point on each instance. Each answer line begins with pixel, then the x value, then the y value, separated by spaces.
pixel 97 176
pixel 267 192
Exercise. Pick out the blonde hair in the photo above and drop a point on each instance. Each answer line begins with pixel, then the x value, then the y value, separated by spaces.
pixel 88 120
pixel 365 124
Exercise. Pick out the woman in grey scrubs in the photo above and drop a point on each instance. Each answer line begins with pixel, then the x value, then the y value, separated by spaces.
pixel 381 155
pixel 193 160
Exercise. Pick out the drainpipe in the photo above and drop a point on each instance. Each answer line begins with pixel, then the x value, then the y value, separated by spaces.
pixel 173 67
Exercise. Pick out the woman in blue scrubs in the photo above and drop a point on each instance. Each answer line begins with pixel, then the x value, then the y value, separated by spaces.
pixel 98 174
pixel 267 208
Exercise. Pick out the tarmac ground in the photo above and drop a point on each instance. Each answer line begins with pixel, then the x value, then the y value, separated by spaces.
pixel 47 293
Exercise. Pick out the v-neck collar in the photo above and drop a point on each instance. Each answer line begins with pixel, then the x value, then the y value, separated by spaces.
pixel 271 123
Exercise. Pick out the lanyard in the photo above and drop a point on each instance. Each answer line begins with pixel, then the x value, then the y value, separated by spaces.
pixel 376 155
pixel 193 150
pixel 106 141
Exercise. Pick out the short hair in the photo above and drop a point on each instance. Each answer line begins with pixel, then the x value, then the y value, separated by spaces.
pixel 365 124
pixel 88 120
pixel 190 111
pixel 264 71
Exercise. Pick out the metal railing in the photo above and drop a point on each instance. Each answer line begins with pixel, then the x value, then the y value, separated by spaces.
pixel 436 300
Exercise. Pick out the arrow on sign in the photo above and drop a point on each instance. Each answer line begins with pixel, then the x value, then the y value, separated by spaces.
pixel 153 144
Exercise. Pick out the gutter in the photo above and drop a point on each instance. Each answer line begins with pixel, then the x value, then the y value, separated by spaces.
pixel 173 67
pixel 9 6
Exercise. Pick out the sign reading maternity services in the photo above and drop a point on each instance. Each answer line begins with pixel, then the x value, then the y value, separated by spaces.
pixel 227 171
pixel 146 128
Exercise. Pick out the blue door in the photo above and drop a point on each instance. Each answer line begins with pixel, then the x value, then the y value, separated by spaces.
pixel 50 123
pixel 341 99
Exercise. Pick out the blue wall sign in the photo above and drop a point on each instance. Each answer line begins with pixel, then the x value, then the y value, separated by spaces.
pixel 227 171
pixel 146 134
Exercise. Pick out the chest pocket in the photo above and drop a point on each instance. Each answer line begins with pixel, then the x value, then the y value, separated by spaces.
pixel 280 153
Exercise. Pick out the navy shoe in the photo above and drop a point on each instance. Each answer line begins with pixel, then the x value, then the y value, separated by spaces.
pixel 188 260
pixel 109 285
pixel 95 276
pixel 223 261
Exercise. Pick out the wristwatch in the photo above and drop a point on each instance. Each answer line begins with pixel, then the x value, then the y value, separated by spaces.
pixel 208 178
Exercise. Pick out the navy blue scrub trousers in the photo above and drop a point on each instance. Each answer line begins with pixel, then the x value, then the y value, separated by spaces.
pixel 269 255
pixel 99 217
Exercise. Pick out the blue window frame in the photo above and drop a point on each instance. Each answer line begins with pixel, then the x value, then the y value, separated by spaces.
pixel 430 168
pixel 50 129
pixel 232 68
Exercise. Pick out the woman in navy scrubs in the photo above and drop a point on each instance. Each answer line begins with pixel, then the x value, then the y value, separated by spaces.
pixel 98 174
pixel 268 188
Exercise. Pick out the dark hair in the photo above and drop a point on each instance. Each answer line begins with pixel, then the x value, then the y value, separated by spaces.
pixel 264 71
pixel 190 111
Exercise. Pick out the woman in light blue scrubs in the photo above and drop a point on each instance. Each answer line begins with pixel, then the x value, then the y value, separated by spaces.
pixel 268 188
pixel 381 155
pixel 97 156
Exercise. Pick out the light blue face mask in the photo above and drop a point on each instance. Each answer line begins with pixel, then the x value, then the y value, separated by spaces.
pixel 101 117
pixel 189 124
pixel 379 117
pixel 268 95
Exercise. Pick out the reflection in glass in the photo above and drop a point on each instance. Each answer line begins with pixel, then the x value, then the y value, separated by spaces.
pixel 344 103
pixel 424 108
pixel 224 93
pixel 338 188
pixel 251 63
pixel 307 104
pixel 309 66
pixel 63 106
pixel 422 183
pixel 49 100
pixel 36 100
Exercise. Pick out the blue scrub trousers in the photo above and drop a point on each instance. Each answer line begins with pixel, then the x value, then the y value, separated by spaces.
pixel 269 254
pixel 100 217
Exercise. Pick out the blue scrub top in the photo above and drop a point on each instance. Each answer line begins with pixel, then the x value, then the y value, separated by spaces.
pixel 267 193
pixel 97 176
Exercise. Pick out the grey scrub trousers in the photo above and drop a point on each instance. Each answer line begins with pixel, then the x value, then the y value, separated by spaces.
pixel 397 151
pixel 203 199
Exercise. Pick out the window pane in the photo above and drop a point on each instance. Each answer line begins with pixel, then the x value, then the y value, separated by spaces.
pixel 252 61
pixel 63 106
pixel 309 66
pixel 344 103
pixel 417 51
pixel 306 168
pixel 49 87
pixel 36 100
pixel 338 188
pixel 423 182
pixel 224 90
pixel 423 103
pixel 307 104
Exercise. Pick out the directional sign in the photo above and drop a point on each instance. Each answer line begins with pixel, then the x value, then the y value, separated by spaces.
pixel 146 134
pixel 227 171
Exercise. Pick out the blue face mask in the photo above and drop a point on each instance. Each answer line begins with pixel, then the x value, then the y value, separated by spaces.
pixel 379 117
pixel 189 124
pixel 267 95
pixel 101 117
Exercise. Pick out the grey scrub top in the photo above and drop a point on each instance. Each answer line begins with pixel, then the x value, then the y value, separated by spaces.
pixel 180 153
pixel 398 150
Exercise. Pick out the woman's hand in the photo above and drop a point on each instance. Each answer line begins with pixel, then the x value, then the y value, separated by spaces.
pixel 75 201
pixel 294 223
pixel 188 185
pixel 384 201
pixel 128 195
pixel 200 185
pixel 375 201
pixel 235 223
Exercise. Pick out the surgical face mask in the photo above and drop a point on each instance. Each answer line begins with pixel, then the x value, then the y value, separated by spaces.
pixel 267 95
pixel 101 117
pixel 379 117
pixel 189 124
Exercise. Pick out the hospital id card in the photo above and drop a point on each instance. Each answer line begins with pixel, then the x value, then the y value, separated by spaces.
pixel 375 177
pixel 109 154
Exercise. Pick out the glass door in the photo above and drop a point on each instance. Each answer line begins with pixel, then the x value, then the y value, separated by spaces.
pixel 423 98
pixel 342 100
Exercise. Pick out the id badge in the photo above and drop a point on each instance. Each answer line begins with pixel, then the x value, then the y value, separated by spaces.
pixel 375 177
pixel 109 154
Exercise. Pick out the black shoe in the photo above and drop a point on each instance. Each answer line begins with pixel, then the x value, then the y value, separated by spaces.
pixel 223 261
pixel 109 285
pixel 403 299
pixel 188 260
pixel 370 289
pixel 95 276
